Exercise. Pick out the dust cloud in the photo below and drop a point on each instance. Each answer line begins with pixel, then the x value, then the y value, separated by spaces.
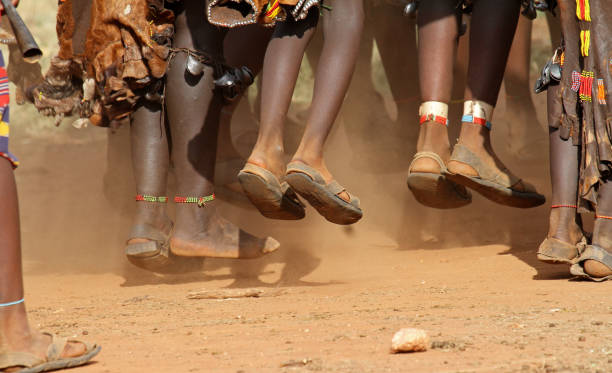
pixel 77 190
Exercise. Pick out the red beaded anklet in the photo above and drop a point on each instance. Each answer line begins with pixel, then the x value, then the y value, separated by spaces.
pixel 603 217
pixel 146 198
pixel 201 201
pixel 556 206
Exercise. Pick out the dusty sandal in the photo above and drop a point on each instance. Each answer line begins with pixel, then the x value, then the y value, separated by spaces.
pixel 154 254
pixel 596 253
pixel 273 199
pixel 324 197
pixel 555 251
pixel 31 363
pixel 495 185
pixel 434 189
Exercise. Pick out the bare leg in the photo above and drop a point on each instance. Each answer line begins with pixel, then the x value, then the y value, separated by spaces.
pixel 488 55
pixel 200 231
pixel 281 68
pixel 525 131
pixel 565 223
pixel 150 163
pixel 254 38
pixel 437 32
pixel 15 332
pixel 342 29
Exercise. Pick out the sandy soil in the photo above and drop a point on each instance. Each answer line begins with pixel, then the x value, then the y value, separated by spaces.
pixel 486 309
pixel 332 296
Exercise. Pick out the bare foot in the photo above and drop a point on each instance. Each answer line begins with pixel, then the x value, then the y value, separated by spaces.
pixel 202 232
pixel 433 137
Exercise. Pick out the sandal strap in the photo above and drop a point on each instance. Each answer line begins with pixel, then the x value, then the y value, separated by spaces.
pixel 56 347
pixel 307 170
pixel 596 253
pixel 268 176
pixel 335 187
pixel 429 155
pixel 148 198
pixel 464 155
pixel 201 201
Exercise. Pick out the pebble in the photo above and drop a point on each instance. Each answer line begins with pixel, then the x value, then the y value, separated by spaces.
pixel 410 340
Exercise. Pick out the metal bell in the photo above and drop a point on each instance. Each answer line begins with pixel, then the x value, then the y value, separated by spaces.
pixel 555 72
pixel 410 8
pixel 194 66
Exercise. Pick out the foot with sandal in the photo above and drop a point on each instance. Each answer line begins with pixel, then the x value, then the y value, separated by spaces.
pixel 595 262
pixel 198 230
pixel 427 173
pixel 565 240
pixel 272 185
pixel 23 349
pixel 472 164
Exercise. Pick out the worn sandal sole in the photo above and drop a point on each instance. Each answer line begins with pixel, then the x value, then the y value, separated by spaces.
pixel 63 363
pixel 435 190
pixel 156 257
pixel 498 193
pixel 269 202
pixel 555 251
pixel 329 205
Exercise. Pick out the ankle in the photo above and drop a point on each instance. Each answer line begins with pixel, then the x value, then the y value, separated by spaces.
pixel 433 136
pixel 151 212
pixel 564 224
pixel 474 136
pixel 602 231
pixel 14 327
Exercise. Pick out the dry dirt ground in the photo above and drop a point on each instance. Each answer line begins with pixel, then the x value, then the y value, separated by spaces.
pixel 332 296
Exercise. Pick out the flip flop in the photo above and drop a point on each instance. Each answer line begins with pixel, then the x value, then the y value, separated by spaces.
pixel 155 255
pixel 273 199
pixel 324 197
pixel 592 252
pixel 434 189
pixel 34 364
pixel 555 251
pixel 491 183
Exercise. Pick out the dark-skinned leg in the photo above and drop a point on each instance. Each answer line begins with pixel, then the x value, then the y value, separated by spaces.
pixel 254 38
pixel 200 231
pixel 342 29
pixel 281 68
pixel 15 332
pixel 525 131
pixel 564 222
pixel 437 33
pixel 488 55
pixel 602 231
pixel 150 158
